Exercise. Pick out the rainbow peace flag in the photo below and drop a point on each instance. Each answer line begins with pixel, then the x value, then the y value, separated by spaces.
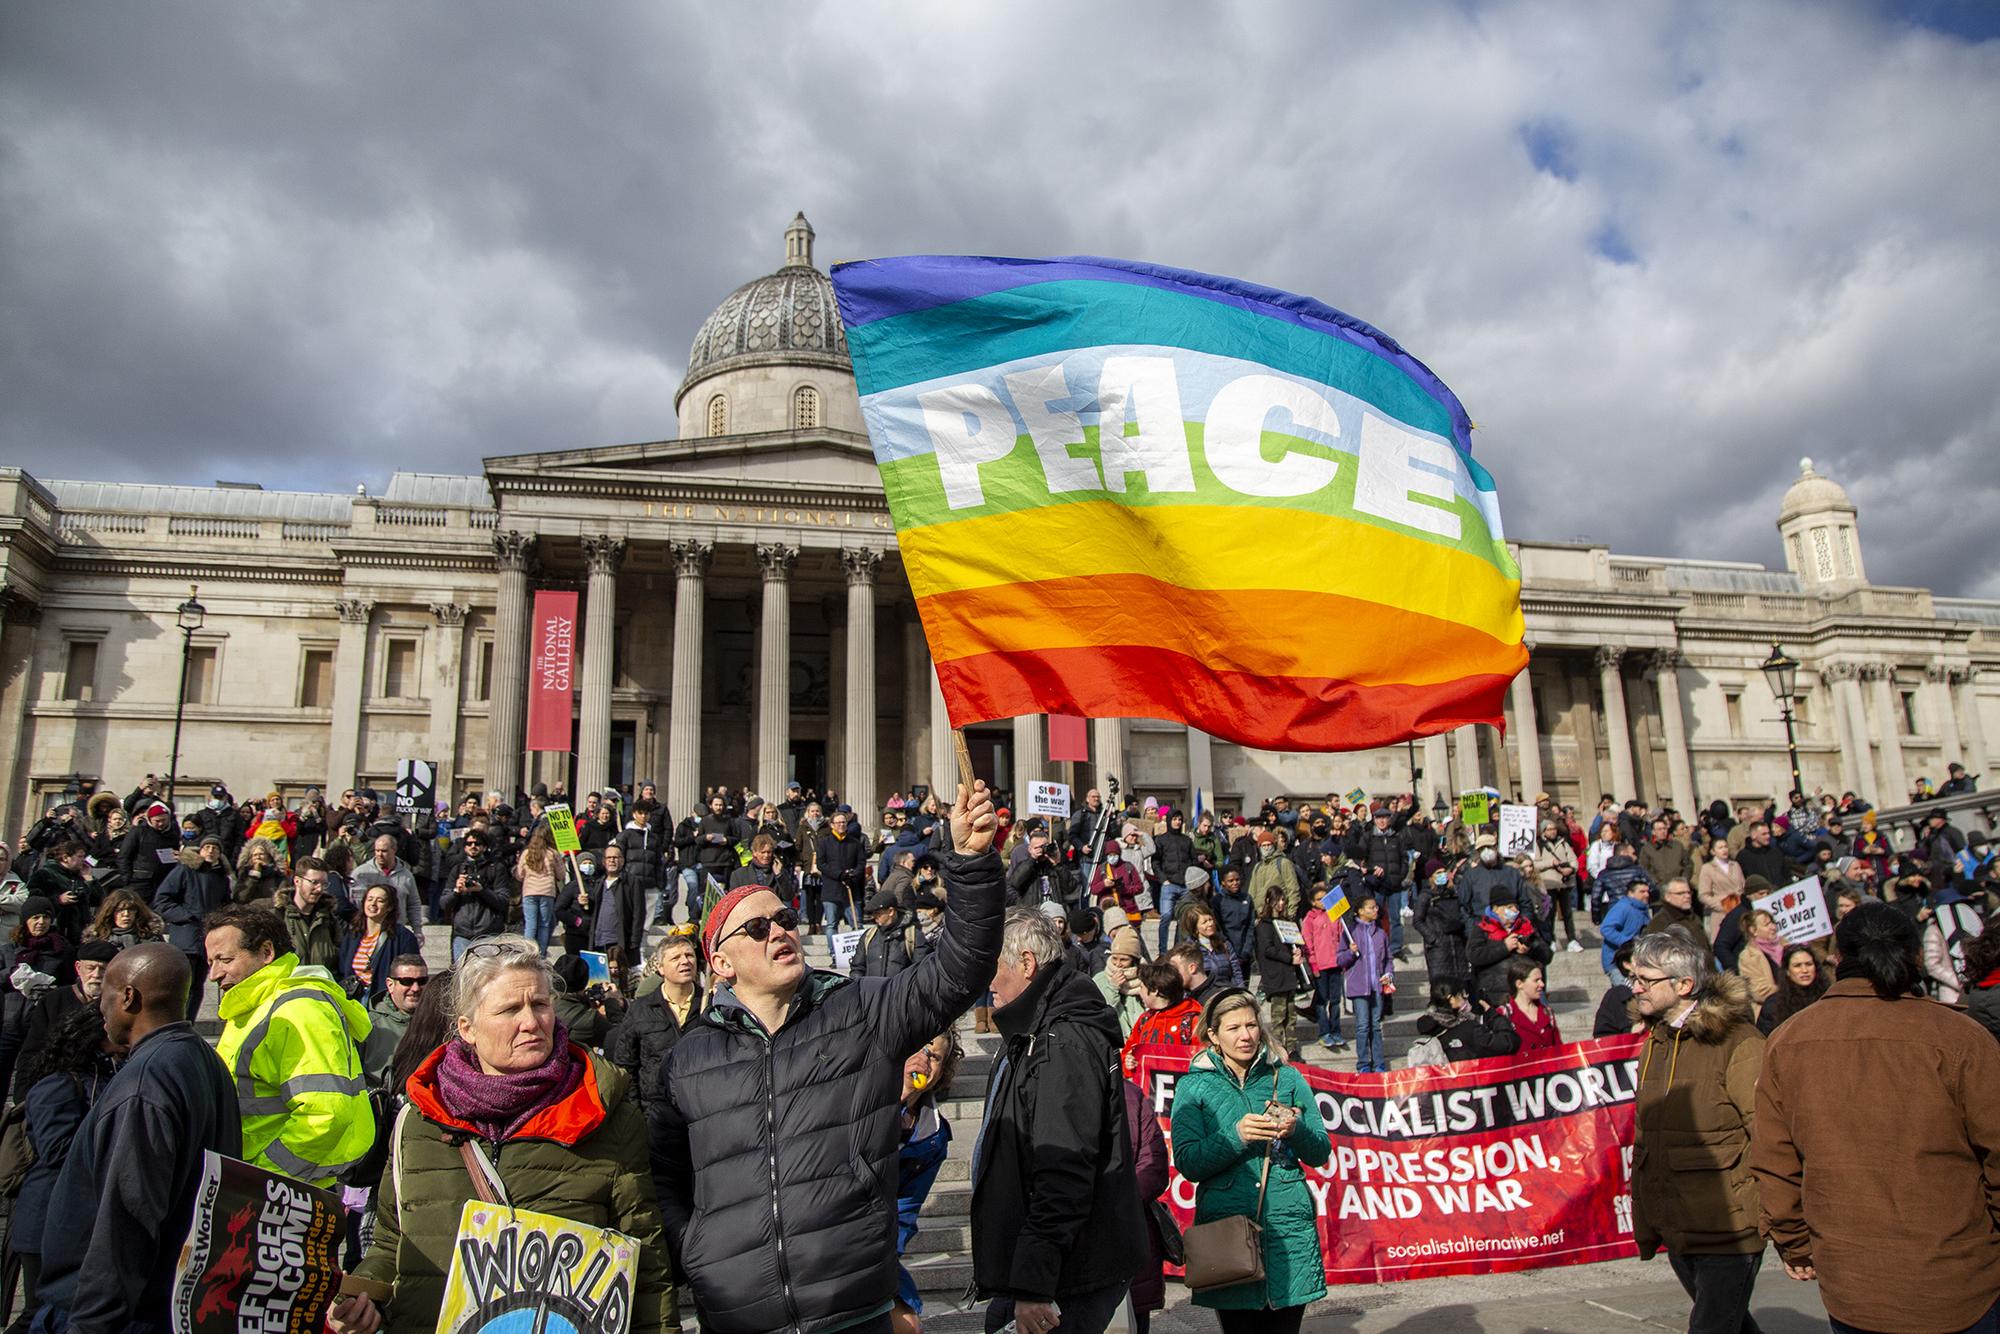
pixel 1130 491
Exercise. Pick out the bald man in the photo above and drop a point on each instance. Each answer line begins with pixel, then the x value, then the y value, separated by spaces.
pixel 121 1205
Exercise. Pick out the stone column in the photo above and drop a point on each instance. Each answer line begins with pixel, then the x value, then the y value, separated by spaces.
pixel 1201 772
pixel 833 607
pixel 1843 725
pixel 916 705
pixel 1465 759
pixel 445 691
pixel 1030 755
pixel 1673 723
pixel 1107 744
pixel 861 563
pixel 1895 778
pixel 944 755
pixel 1437 767
pixel 1972 730
pixel 507 705
pixel 350 671
pixel 602 555
pixel 774 671
pixel 19 619
pixel 1937 681
pixel 1846 678
pixel 1624 784
pixel 684 711
pixel 1527 735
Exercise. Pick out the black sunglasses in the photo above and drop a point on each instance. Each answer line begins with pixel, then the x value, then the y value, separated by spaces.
pixel 759 928
pixel 411 981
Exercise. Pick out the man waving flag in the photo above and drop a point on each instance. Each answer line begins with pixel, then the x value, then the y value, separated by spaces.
pixel 1130 491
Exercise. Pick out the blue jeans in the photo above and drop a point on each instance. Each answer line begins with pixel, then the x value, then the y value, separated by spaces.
pixel 1368 1034
pixel 1392 917
pixel 538 918
pixel 1170 894
pixel 1327 987
pixel 836 913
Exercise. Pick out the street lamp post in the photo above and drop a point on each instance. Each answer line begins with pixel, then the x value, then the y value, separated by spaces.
pixel 1783 674
pixel 1440 810
pixel 191 613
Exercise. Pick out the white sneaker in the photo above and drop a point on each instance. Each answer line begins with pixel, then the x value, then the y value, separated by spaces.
pixel 1574 947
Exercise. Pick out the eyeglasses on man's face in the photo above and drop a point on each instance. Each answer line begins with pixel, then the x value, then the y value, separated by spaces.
pixel 413 983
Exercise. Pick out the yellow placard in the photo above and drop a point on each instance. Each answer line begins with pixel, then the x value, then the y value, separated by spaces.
pixel 513 1269
pixel 1472 807
pixel 562 828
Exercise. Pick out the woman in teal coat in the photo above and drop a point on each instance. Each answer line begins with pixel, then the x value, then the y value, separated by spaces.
pixel 1222 1132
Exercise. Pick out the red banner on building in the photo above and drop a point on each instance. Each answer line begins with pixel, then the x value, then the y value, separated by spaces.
pixel 1478 1168
pixel 1069 738
pixel 551 670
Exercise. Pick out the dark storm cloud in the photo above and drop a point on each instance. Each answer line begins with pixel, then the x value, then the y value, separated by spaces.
pixel 1660 252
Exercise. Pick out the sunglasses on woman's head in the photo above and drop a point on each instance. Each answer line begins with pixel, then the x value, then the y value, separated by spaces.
pixel 759 928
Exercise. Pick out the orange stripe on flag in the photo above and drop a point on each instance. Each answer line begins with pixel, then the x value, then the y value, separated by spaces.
pixel 1270 713
pixel 1266 632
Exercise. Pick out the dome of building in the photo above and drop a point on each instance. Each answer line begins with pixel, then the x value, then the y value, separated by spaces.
pixel 1813 494
pixel 787 317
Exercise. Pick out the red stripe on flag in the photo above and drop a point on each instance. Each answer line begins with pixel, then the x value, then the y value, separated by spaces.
pixel 1265 712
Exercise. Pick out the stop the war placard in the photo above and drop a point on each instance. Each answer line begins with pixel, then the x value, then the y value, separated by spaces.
pixel 1480 1167
pixel 1799 910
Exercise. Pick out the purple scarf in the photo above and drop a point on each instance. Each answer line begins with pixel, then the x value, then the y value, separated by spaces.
pixel 497 1106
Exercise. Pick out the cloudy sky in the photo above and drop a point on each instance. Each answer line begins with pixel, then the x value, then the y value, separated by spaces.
pixel 1660 250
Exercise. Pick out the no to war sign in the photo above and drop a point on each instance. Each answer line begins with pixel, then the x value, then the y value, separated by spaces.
pixel 1483 1167
pixel 1800 911
pixel 562 829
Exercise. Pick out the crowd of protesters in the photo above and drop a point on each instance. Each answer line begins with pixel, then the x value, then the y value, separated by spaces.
pixel 600 1092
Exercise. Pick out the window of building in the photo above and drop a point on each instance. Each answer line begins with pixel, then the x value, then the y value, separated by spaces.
pixel 80 670
pixel 399 668
pixel 1802 710
pixel 316 679
pixel 1909 700
pixel 718 415
pixel 482 670
pixel 204 663
pixel 1732 707
pixel 805 408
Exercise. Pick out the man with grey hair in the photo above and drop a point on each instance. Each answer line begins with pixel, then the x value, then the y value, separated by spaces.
pixel 387 870
pixel 1693 1194
pixel 1056 1229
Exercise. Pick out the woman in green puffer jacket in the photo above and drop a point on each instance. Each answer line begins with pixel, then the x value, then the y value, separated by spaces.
pixel 1222 1132
pixel 555 1121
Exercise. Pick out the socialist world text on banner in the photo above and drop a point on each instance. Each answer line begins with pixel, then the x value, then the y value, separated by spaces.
pixel 551 670
pixel 1480 1167
pixel 1122 490
pixel 262 1253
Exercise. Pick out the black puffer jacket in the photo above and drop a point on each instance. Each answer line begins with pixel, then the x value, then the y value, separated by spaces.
pixel 1173 853
pixel 760 1136
pixel 1055 1207
pixel 480 910
pixel 644 1037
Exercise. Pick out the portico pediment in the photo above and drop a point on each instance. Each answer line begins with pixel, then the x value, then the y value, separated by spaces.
pixel 811 459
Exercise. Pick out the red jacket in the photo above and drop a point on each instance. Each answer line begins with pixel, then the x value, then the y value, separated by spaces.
pixel 1176 1026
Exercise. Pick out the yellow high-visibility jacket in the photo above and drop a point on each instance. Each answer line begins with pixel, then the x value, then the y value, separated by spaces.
pixel 291 1040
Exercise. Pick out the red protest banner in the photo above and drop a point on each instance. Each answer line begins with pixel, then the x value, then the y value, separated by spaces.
pixel 1069 739
pixel 1478 1168
pixel 551 670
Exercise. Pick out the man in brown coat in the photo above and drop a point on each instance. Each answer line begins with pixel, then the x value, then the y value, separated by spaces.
pixel 1877 1150
pixel 1693 1194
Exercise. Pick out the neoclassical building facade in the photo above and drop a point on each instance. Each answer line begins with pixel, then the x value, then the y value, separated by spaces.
pixel 745 619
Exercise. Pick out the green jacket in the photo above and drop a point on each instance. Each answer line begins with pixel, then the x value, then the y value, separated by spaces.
pixel 315 937
pixel 584 1159
pixel 1208 1102
pixel 292 1041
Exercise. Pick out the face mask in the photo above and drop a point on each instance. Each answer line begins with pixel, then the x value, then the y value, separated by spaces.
pixel 1441 879
pixel 1113 858
pixel 215 803
pixel 1488 857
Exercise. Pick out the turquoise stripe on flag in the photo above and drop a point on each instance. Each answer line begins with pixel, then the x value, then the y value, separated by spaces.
pixel 1030 322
